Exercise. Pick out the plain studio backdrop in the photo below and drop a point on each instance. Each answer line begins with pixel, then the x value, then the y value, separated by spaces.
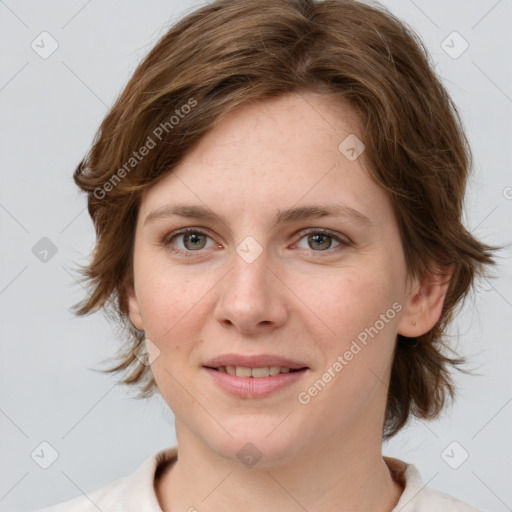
pixel 63 65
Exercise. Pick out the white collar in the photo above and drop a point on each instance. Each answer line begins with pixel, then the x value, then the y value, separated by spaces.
pixel 136 492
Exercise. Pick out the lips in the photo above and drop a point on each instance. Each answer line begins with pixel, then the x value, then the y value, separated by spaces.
pixel 252 387
pixel 256 361
pixel 253 377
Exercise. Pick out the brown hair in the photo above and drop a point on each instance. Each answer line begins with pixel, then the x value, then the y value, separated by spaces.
pixel 234 51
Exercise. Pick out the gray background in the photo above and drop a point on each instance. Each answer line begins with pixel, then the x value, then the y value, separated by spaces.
pixel 50 110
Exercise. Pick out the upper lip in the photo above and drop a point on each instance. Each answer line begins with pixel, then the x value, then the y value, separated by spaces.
pixel 256 361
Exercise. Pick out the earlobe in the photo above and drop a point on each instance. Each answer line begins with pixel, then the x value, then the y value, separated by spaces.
pixel 134 310
pixel 424 305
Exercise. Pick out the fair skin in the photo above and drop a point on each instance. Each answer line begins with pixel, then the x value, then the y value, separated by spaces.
pixel 305 297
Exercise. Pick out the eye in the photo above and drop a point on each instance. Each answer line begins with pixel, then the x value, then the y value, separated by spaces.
pixel 321 241
pixel 193 240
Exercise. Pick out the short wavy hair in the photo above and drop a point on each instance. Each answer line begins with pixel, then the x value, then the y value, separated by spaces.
pixel 233 51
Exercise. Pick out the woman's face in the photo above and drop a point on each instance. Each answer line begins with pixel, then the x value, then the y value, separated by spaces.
pixel 325 292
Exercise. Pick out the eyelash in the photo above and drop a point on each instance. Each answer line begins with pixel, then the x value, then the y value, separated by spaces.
pixel 189 254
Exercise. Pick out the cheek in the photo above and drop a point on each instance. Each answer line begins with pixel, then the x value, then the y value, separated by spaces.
pixel 168 301
pixel 352 303
pixel 362 312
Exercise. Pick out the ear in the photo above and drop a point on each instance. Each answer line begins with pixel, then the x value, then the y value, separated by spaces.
pixel 134 309
pixel 424 304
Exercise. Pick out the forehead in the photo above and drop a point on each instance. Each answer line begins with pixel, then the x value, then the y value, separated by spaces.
pixel 289 127
pixel 276 153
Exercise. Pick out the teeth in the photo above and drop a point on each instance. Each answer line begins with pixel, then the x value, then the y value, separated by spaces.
pixel 244 371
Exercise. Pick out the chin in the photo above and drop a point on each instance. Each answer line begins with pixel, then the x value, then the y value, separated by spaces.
pixel 260 447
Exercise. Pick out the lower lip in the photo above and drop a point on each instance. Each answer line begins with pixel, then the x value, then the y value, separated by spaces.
pixel 251 387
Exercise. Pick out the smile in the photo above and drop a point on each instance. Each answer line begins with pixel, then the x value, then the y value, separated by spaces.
pixel 251 383
pixel 257 373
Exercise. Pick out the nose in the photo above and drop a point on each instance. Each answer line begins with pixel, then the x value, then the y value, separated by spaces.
pixel 252 297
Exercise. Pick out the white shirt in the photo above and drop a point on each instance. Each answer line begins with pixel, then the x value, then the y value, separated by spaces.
pixel 136 492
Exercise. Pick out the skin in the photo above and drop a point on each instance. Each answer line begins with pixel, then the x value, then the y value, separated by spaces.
pixel 303 297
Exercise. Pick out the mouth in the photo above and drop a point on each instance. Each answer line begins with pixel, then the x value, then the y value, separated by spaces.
pixel 254 376
pixel 256 381
pixel 256 373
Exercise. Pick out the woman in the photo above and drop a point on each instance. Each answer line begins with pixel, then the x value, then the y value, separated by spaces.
pixel 277 196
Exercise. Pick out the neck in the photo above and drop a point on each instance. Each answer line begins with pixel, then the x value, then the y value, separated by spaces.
pixel 346 477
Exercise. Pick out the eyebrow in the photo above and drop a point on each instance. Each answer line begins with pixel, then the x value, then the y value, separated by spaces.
pixel 281 217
